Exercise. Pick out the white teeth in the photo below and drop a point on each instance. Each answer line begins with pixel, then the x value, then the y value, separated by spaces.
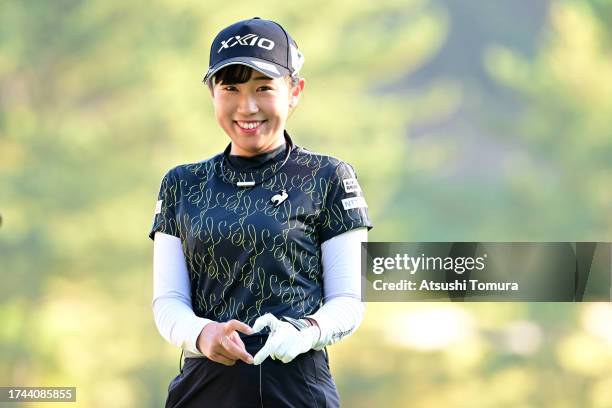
pixel 248 125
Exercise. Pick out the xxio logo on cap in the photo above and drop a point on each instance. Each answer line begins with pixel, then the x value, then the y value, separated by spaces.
pixel 249 39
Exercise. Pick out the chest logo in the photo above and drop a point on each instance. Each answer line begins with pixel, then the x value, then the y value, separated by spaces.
pixel 278 199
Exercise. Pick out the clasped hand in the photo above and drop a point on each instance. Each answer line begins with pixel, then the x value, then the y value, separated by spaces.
pixel 220 342
pixel 285 342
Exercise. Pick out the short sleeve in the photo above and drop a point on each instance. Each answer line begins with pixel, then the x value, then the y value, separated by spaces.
pixel 164 219
pixel 344 205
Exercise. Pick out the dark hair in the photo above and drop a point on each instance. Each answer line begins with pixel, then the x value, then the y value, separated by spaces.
pixel 233 74
pixel 238 74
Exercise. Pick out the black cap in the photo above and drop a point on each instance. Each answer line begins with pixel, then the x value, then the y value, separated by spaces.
pixel 260 44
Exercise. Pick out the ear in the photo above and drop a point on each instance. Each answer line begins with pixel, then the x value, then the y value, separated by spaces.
pixel 299 88
pixel 296 91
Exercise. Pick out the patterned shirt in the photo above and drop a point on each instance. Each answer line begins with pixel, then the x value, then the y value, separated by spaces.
pixel 256 250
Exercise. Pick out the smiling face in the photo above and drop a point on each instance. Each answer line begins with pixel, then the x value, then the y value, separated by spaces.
pixel 253 113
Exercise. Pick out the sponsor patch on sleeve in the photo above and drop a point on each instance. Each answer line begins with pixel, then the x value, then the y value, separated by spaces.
pixel 351 185
pixel 354 202
pixel 158 207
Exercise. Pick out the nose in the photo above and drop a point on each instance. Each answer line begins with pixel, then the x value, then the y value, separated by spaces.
pixel 247 104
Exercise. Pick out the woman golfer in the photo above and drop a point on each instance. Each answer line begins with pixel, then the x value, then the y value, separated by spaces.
pixel 257 249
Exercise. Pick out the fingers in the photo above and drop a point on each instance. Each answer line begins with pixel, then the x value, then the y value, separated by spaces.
pixel 274 350
pixel 284 343
pixel 269 349
pixel 266 320
pixel 280 344
pixel 263 353
pixel 283 352
pixel 235 351
pixel 286 349
pixel 287 357
pixel 221 343
pixel 234 337
pixel 219 358
pixel 228 345
pixel 233 325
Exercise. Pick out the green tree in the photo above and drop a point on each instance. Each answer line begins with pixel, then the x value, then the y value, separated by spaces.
pixel 98 100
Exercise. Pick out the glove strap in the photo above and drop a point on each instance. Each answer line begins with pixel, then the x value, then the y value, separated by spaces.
pixel 300 324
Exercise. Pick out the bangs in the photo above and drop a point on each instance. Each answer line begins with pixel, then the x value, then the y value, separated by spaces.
pixel 233 74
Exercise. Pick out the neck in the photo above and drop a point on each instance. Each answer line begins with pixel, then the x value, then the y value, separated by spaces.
pixel 237 151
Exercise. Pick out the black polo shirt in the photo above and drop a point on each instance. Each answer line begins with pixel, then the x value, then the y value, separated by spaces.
pixel 246 253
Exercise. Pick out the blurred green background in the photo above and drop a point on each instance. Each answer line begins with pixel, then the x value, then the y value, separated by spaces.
pixel 466 121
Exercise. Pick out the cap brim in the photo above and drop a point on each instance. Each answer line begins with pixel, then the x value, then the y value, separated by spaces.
pixel 265 67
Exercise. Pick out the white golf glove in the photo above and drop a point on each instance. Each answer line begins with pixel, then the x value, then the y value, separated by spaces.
pixel 285 341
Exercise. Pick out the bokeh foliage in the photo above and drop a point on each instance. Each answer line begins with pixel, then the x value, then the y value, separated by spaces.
pixel 462 125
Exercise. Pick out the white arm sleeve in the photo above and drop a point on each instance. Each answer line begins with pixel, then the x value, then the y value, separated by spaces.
pixel 342 310
pixel 174 316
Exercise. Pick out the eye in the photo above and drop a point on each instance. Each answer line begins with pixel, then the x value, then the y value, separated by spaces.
pixel 229 88
pixel 265 88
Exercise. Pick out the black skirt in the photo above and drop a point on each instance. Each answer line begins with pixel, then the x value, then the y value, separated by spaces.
pixel 304 382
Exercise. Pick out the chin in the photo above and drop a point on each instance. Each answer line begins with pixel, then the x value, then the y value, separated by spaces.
pixel 251 148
